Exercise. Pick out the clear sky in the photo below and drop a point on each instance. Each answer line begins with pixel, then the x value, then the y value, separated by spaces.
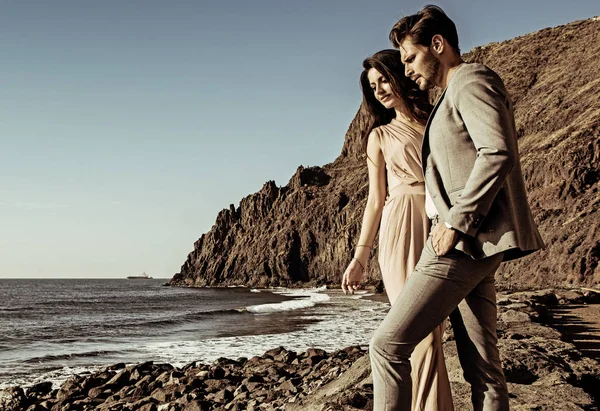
pixel 125 126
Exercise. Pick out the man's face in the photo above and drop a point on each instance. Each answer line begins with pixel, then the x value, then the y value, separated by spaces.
pixel 420 64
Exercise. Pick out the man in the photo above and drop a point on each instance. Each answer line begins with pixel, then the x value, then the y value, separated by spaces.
pixel 480 217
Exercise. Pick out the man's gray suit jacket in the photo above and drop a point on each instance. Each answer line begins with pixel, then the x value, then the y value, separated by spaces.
pixel 472 167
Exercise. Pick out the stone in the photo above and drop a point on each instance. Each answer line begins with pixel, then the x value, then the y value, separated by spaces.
pixel 12 399
pixel 514 316
pixel 197 406
pixel 202 374
pixel 214 385
pixel 165 394
pixel 223 396
pixel 99 392
pixel 120 379
pixel 116 367
pixel 39 390
pixel 288 386
pixel 316 352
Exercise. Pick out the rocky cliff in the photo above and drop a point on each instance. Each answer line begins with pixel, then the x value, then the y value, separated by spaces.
pixel 304 233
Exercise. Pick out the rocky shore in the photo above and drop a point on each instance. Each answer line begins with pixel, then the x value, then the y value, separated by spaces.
pixel 544 370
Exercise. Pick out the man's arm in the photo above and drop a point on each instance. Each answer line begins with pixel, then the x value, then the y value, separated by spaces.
pixel 484 108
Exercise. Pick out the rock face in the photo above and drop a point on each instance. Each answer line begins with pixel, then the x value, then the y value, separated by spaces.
pixel 304 232
pixel 544 372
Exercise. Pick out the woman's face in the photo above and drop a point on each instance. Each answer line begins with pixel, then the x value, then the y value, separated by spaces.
pixel 382 89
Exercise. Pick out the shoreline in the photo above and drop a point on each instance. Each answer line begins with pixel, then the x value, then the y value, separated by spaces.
pixel 297 319
pixel 543 370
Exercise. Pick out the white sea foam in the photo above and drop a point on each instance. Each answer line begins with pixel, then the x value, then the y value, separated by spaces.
pixel 303 298
pixel 295 304
pixel 345 322
pixel 56 377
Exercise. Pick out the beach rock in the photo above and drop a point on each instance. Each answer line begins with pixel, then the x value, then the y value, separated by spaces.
pixel 39 390
pixel 119 379
pixel 13 399
pixel 150 406
pixel 99 392
pixel 144 382
pixel 545 372
pixel 272 353
pixel 139 371
pixel 570 296
pixel 167 393
pixel 116 367
pixel 562 397
pixel 47 404
pixel 217 373
pixel 197 406
pixel 514 316
pixel 223 396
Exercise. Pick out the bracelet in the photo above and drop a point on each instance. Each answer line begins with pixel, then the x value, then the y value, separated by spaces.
pixel 358 261
pixel 363 245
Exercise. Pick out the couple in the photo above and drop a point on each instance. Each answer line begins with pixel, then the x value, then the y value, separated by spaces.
pixel 455 168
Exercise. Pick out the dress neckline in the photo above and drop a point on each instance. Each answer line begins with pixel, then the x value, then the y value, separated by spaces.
pixel 397 121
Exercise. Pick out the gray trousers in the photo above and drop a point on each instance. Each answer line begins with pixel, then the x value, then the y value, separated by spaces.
pixel 453 285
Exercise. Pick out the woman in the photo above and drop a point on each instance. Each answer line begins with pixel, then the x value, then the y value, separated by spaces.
pixel 396 204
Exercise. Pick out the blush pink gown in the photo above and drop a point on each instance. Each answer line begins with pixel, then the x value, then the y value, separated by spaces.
pixel 403 231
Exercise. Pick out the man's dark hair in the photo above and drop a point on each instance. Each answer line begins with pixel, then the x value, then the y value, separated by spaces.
pixel 421 28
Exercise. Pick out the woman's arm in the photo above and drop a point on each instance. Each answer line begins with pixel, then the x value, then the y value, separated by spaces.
pixel 355 273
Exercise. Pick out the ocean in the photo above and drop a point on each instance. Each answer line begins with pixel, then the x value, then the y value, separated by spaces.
pixel 51 329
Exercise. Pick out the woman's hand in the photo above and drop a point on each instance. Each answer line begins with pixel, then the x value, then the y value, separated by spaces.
pixel 354 275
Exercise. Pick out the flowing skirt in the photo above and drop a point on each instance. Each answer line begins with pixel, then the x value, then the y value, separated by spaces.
pixel 403 232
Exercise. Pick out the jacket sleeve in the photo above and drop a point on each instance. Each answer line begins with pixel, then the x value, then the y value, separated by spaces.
pixel 485 109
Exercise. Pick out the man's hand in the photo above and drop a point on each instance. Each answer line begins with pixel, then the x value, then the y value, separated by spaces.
pixel 353 276
pixel 443 239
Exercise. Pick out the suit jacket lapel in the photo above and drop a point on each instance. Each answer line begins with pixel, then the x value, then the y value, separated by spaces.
pixel 425 144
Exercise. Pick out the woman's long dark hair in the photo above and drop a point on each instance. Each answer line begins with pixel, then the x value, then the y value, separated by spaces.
pixel 388 64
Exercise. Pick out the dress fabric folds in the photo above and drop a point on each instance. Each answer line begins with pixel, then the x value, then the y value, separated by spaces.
pixel 403 231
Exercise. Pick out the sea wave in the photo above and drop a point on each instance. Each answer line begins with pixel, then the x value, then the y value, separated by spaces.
pixel 347 322
pixel 301 299
pixel 57 376
pixel 192 317
pixel 12 309
pixel 295 304
pixel 71 356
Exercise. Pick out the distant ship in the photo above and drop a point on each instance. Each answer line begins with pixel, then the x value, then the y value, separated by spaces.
pixel 142 276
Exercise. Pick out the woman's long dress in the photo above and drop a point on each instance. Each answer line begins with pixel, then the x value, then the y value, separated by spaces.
pixel 403 232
